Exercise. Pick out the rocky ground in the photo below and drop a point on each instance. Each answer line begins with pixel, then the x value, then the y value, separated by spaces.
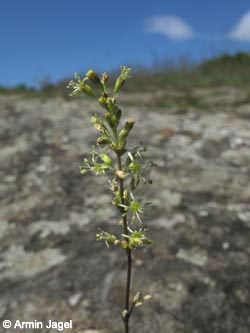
pixel 198 268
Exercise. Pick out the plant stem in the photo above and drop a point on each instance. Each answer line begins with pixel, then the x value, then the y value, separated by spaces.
pixel 128 252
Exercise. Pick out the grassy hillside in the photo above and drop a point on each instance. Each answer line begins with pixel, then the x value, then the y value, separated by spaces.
pixel 230 70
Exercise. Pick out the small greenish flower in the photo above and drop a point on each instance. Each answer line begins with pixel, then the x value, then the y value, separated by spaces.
pixel 80 85
pixel 134 207
pixel 135 166
pixel 99 164
pixel 107 237
pixel 137 238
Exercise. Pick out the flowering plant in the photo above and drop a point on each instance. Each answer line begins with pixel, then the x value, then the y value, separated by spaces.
pixel 124 169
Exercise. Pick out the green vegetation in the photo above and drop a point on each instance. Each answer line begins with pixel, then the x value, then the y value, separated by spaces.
pixel 226 69
pixel 19 89
pixel 231 70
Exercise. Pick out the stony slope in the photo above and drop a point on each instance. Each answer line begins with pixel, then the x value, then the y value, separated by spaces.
pixel 198 268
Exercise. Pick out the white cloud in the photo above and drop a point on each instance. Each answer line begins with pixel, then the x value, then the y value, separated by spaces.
pixel 170 26
pixel 242 29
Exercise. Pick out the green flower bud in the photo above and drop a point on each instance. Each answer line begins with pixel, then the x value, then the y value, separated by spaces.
pixel 125 72
pixel 127 128
pixel 99 125
pixel 118 84
pixel 103 101
pixel 117 199
pixel 123 134
pixel 94 120
pixel 99 128
pixel 93 77
pixel 137 297
pixel 111 104
pixel 103 140
pixel 129 124
pixel 106 159
pixel 111 119
pixel 105 77
pixel 124 244
pixel 125 194
pixel 87 90
pixel 138 304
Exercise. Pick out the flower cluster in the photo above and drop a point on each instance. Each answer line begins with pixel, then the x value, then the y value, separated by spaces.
pixel 113 138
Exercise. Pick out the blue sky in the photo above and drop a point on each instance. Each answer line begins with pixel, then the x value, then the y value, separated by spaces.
pixel 56 38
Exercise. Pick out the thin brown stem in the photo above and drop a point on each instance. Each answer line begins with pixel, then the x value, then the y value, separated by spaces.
pixel 127 314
